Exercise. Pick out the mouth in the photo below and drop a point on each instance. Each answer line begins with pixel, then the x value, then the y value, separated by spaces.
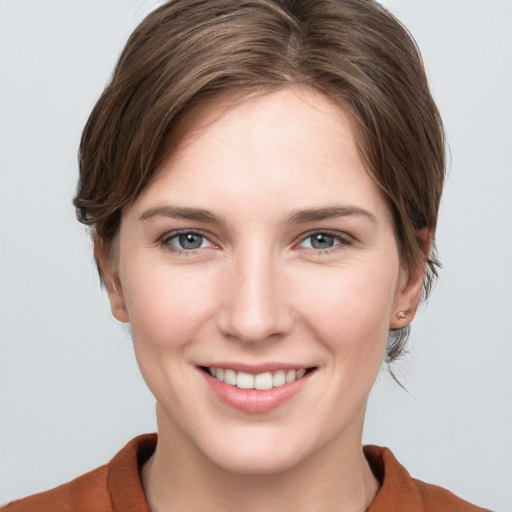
pixel 257 389
pixel 260 381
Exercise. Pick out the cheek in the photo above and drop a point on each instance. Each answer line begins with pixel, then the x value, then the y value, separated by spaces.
pixel 350 312
pixel 167 310
pixel 165 307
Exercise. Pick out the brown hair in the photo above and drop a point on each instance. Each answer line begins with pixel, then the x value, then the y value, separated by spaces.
pixel 187 52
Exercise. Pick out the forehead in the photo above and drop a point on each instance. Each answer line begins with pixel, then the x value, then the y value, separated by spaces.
pixel 293 144
pixel 242 106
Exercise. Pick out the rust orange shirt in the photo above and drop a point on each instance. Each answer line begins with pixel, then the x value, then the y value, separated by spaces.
pixel 116 487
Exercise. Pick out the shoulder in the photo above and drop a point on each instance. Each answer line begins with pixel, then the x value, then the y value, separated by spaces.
pixel 88 492
pixel 114 486
pixel 434 497
pixel 399 492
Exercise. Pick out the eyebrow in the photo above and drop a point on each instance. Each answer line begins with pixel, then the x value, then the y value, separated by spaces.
pixel 332 212
pixel 297 217
pixel 176 212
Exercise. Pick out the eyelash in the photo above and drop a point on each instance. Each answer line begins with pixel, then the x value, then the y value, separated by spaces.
pixel 165 241
pixel 342 240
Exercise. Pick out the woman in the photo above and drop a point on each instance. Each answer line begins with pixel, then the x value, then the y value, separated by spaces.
pixel 263 181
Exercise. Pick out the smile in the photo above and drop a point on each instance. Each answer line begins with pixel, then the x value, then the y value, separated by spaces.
pixel 261 381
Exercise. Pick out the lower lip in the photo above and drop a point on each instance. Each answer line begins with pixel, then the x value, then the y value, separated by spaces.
pixel 255 400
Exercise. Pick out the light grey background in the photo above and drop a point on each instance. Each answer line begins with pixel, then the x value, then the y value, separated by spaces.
pixel 70 392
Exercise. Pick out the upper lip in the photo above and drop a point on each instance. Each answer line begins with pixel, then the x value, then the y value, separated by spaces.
pixel 256 368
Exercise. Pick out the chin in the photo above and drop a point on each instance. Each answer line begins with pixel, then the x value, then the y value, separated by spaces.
pixel 259 449
pixel 257 460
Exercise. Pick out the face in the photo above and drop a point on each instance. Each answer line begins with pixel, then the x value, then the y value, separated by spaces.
pixel 261 256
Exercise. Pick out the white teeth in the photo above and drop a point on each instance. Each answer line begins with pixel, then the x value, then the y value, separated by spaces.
pixel 230 377
pixel 279 378
pixel 261 381
pixel 290 376
pixel 244 380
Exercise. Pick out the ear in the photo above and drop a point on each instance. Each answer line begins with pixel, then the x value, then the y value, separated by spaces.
pixel 112 283
pixel 410 284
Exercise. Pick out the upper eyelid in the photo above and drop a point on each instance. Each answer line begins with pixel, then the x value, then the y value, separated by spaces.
pixel 342 235
pixel 176 232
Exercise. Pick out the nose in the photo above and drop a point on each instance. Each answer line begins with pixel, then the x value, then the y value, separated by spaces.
pixel 254 305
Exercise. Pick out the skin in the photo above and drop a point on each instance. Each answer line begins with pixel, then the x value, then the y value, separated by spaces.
pixel 255 291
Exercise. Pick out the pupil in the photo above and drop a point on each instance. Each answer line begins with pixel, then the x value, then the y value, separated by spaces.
pixel 190 241
pixel 322 241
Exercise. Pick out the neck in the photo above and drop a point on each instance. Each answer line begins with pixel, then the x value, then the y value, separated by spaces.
pixel 336 478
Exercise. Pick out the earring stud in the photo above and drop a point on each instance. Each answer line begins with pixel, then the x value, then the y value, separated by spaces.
pixel 401 315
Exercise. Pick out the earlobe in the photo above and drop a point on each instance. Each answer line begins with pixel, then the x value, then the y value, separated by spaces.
pixel 406 301
pixel 112 283
pixel 409 291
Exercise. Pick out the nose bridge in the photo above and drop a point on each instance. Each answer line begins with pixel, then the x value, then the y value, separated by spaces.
pixel 254 307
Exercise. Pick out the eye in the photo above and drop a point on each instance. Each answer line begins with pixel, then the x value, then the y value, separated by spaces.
pixel 186 241
pixel 324 240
